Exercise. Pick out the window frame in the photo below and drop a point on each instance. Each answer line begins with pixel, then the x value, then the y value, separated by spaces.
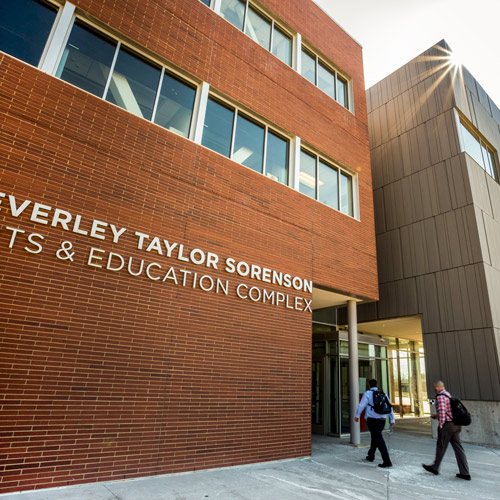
pixel 216 6
pixel 484 145
pixel 237 111
pixel 339 171
pixel 321 61
pixel 164 69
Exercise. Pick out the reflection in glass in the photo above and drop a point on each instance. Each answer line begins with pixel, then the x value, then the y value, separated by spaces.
pixel 342 91
pixel 175 105
pixel 472 146
pixel 218 128
pixel 346 205
pixel 233 11
pixel 317 393
pixel 25 26
pixel 258 28
pixel 475 148
pixel 491 159
pixel 248 144
pixel 307 176
pixel 133 84
pixel 326 80
pixel 86 60
pixel 206 2
pixel 277 158
pixel 282 46
pixel 308 66
pixel 328 185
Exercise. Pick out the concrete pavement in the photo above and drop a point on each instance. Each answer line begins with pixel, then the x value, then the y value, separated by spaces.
pixel 334 471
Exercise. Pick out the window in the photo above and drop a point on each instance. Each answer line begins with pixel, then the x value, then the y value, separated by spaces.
pixel 107 69
pixel 475 147
pixel 327 79
pixel 309 66
pixel 326 183
pixel 206 2
pixel 239 137
pixel 25 26
pixel 282 46
pixel 234 12
pixel 175 105
pixel 258 27
pixel 87 60
pixel 218 128
pixel 248 144
pixel 133 84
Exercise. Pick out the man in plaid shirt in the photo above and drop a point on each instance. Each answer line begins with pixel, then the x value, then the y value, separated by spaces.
pixel 448 432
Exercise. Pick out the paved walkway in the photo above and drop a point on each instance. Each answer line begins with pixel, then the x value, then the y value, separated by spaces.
pixel 335 471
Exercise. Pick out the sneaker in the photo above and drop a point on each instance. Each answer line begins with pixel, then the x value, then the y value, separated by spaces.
pixel 384 466
pixel 430 468
pixel 370 459
pixel 464 476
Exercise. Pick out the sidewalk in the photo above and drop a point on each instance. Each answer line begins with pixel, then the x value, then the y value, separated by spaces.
pixel 335 471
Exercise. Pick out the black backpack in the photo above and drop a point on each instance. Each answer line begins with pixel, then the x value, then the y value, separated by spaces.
pixel 459 414
pixel 381 403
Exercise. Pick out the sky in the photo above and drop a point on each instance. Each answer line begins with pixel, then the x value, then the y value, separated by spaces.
pixel 392 32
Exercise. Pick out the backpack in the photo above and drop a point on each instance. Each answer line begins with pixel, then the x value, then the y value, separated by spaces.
pixel 459 414
pixel 381 403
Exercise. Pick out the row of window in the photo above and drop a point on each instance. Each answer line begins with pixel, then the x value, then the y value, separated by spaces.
pixel 264 31
pixel 232 134
pixel 478 150
pixel 106 68
pixel 267 33
pixel 322 76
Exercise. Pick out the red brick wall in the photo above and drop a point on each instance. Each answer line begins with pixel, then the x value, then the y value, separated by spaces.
pixel 108 375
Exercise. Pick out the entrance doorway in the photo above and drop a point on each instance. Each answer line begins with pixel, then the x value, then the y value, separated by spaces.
pixel 330 376
pixel 407 378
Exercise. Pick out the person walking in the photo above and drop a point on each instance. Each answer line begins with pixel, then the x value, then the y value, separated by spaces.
pixel 376 424
pixel 448 432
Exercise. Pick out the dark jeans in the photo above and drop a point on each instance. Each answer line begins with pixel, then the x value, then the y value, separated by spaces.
pixel 376 426
pixel 450 433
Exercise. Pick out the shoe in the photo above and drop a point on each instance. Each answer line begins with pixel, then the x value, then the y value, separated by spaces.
pixel 464 476
pixel 430 468
pixel 384 466
pixel 370 459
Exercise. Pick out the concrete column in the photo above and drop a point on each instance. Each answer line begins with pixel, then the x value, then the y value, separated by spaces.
pixel 352 321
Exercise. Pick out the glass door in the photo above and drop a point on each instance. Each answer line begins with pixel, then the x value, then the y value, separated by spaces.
pixel 318 389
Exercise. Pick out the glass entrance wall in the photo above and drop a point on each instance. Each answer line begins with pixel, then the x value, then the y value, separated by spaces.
pixel 408 391
pixel 330 376
pixel 373 363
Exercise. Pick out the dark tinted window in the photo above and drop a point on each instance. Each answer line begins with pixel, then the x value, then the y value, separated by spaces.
pixel 175 105
pixel 24 28
pixel 218 128
pixel 277 158
pixel 248 144
pixel 86 60
pixel 134 84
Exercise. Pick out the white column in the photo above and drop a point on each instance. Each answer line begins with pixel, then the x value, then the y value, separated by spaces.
pixel 200 111
pixel 297 53
pixel 57 40
pixel 352 322
pixel 216 6
pixel 295 163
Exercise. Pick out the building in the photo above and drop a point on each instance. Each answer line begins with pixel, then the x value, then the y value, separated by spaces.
pixel 435 137
pixel 182 184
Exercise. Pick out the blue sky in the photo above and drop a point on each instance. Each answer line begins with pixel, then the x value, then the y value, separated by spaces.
pixel 392 32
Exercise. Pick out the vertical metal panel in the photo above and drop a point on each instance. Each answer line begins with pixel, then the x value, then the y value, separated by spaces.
pixel 468 365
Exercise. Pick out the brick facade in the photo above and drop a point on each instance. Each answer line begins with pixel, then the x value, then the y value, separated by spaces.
pixel 108 375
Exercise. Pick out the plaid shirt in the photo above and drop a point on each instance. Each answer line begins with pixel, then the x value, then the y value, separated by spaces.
pixel 443 407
